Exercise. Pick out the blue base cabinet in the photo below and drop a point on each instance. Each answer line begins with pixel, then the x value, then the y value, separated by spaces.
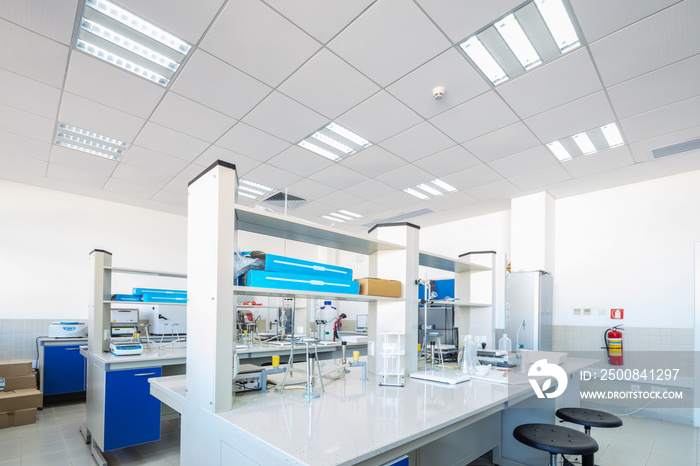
pixel 64 370
pixel 131 413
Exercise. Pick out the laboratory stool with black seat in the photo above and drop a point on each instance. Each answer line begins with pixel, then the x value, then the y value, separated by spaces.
pixel 557 440
pixel 588 418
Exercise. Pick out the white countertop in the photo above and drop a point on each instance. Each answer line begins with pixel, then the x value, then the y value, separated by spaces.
pixel 373 419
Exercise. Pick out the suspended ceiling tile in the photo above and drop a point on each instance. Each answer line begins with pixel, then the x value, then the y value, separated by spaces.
pixel 384 48
pixel 451 160
pixel 472 177
pixel 451 200
pixel 598 18
pixel 379 117
pixel 227 89
pixel 139 175
pixel 285 118
pixel 153 160
pixel 670 118
pixel 176 186
pixel 169 197
pixel 460 19
pixel 75 176
pixel 322 20
pixel 369 209
pixel 642 151
pixel 369 189
pixel 339 200
pixel 583 114
pixel 467 121
pixel 309 189
pixel 418 142
pixel 96 80
pixel 505 141
pixel 449 70
pixel 280 47
pixel 563 80
pixel 338 177
pixel 54 19
pixel 23 164
pixel 272 176
pixel 93 116
pixel 213 153
pixel 523 162
pixel 131 189
pixel 249 141
pixel 666 37
pixel 405 177
pixel 189 117
pixel 540 178
pixel 28 95
pixel 82 161
pixel 22 145
pixel 26 124
pixel 299 161
pixel 599 162
pixel 400 201
pixel 373 161
pixel 170 142
pixel 328 85
pixel 190 172
pixel 183 18
pixel 496 189
pixel 662 87
pixel 31 55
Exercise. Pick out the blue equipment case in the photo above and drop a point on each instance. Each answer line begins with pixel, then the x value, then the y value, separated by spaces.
pixel 291 281
pixel 289 265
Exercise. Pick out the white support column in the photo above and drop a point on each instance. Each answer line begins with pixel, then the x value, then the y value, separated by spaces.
pixel 401 265
pixel 477 287
pixel 210 307
pixel 532 232
pixel 98 310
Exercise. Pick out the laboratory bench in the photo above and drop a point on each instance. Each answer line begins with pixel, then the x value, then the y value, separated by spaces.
pixel 61 367
pixel 360 422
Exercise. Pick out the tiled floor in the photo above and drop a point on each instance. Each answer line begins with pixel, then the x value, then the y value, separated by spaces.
pixel 55 440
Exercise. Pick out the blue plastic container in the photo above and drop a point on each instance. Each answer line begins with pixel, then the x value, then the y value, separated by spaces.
pixel 126 297
pixel 164 298
pixel 288 281
pixel 158 291
pixel 282 264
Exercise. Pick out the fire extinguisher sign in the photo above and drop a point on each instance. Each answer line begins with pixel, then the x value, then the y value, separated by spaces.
pixel 617 314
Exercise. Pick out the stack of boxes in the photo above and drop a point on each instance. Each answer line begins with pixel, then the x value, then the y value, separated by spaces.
pixel 19 396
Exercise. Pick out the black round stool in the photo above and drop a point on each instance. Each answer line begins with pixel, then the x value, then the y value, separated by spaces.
pixel 589 418
pixel 557 440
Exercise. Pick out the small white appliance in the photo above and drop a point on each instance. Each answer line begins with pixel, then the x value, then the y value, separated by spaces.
pixel 165 319
pixel 68 330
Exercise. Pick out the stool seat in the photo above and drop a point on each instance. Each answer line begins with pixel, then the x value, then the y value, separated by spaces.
pixel 555 439
pixel 589 417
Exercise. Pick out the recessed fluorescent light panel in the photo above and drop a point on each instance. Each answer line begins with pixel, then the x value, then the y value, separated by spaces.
pixel 435 188
pixel 334 142
pixel 342 216
pixel 253 190
pixel 89 142
pixel 586 143
pixel 535 33
pixel 121 38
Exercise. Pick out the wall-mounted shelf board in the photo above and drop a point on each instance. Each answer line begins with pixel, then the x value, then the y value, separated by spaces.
pixel 270 224
pixel 147 272
pixel 436 261
pixel 249 290
pixel 140 303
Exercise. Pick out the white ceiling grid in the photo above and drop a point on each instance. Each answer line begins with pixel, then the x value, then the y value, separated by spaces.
pixel 264 74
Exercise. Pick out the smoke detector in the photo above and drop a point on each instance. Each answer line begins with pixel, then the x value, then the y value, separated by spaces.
pixel 439 92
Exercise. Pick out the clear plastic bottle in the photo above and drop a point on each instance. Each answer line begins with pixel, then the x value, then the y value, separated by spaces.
pixel 468 354
pixel 504 343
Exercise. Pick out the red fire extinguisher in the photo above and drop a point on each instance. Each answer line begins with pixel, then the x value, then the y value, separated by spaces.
pixel 613 343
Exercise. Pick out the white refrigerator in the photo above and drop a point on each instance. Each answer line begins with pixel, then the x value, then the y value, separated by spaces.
pixel 529 297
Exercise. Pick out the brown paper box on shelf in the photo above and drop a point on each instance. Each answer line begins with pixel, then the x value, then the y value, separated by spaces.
pixel 20 417
pixel 379 287
pixel 23 398
pixel 22 381
pixel 15 367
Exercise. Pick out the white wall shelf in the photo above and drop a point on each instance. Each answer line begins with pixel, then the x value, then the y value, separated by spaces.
pixel 141 303
pixel 146 272
pixel 255 291
pixel 449 264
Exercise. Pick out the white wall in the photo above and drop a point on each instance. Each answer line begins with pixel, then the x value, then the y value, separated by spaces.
pixel 630 247
pixel 46 237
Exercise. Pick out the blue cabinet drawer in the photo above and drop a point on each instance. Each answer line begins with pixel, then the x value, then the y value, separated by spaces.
pixel 64 370
pixel 132 414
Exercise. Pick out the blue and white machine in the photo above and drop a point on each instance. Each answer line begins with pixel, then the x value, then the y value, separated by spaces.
pixel 125 349
pixel 68 330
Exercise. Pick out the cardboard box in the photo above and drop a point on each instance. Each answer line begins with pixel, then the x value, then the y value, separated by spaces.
pixel 379 287
pixel 24 398
pixel 20 417
pixel 15 367
pixel 19 382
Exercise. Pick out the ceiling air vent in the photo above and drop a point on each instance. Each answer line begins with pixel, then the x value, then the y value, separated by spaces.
pixel 278 200
pixel 674 149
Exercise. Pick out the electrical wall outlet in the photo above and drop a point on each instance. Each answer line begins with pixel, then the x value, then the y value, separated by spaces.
pixel 587 311
pixel 577 311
